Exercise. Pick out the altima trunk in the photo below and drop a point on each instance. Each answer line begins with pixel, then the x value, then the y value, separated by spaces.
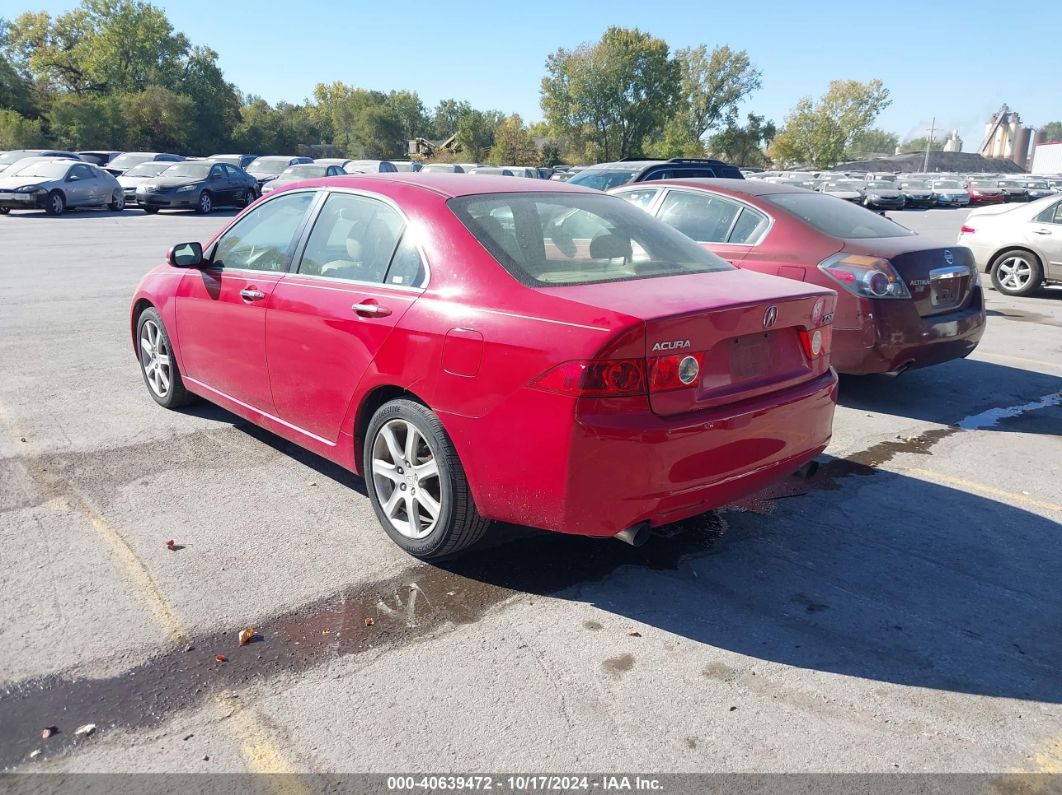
pixel 940 280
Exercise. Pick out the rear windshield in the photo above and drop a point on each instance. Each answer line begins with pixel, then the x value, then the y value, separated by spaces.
pixel 548 239
pixel 836 217
pixel 604 179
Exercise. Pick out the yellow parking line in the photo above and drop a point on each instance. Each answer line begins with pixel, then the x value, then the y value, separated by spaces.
pixel 1006 357
pixel 1012 497
pixel 261 755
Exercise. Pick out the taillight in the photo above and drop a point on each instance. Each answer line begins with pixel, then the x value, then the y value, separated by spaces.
pixel 967 230
pixel 816 342
pixel 609 378
pixel 869 277
pixel 675 372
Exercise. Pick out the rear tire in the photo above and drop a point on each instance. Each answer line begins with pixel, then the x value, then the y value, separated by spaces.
pixel 206 203
pixel 1017 272
pixel 407 451
pixel 117 202
pixel 4 210
pixel 55 204
pixel 158 365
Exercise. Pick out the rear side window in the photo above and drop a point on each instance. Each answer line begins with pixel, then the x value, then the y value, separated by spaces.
pixel 836 217
pixel 640 198
pixel 749 228
pixel 354 238
pixel 699 216
pixel 547 239
pixel 1052 215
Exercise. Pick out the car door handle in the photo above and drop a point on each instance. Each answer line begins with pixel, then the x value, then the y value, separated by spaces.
pixel 371 310
pixel 1041 231
pixel 250 294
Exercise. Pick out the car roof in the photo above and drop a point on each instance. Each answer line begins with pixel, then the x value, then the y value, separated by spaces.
pixel 745 187
pixel 448 185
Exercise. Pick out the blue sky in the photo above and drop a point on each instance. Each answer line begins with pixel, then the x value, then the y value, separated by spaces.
pixel 956 61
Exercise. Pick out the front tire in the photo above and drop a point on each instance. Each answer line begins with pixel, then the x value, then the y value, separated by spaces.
pixel 4 210
pixel 1017 272
pixel 55 204
pixel 117 202
pixel 157 362
pixel 149 209
pixel 206 203
pixel 416 483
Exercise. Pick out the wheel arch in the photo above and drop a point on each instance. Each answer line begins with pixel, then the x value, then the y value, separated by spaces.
pixel 370 403
pixel 1004 249
pixel 134 317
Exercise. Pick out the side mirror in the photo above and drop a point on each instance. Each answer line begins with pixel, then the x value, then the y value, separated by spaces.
pixel 185 255
pixel 73 178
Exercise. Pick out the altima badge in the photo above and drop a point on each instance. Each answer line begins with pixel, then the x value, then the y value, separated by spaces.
pixel 948 256
pixel 770 316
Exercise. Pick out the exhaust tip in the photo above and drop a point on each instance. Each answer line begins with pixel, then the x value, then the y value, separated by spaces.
pixel 807 472
pixel 635 536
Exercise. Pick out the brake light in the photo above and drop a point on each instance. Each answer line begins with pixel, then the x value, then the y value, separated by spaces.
pixel 675 372
pixel 816 342
pixel 609 378
pixel 865 276
pixel 967 230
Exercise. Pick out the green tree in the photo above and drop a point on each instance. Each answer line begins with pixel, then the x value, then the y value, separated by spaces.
pixel 743 146
pixel 818 133
pixel 475 133
pixel 919 144
pixel 86 121
pixel 16 92
pixel 18 132
pixel 872 142
pixel 713 85
pixel 411 113
pixel 513 145
pixel 157 118
pixel 362 123
pixel 614 94
pixel 446 116
pixel 1052 131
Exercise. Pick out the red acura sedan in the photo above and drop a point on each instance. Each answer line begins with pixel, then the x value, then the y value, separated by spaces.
pixel 487 348
pixel 902 302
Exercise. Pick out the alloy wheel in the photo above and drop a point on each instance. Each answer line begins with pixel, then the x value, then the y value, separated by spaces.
pixel 155 358
pixel 205 203
pixel 405 475
pixel 1014 273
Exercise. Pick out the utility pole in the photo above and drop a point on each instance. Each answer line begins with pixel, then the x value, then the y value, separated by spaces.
pixel 929 143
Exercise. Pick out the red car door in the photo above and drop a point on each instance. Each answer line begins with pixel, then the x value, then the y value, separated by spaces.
pixel 357 275
pixel 221 308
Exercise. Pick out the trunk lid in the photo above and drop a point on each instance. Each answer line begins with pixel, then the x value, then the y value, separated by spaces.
pixel 745 325
pixel 940 278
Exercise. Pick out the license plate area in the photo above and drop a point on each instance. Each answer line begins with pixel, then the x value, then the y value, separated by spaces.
pixel 751 356
pixel 947 286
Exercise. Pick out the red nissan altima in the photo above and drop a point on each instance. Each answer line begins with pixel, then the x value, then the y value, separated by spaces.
pixel 902 302
pixel 486 348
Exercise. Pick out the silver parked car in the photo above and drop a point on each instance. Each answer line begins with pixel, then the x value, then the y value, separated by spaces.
pixel 144 172
pixel 299 172
pixel 1019 246
pixel 55 185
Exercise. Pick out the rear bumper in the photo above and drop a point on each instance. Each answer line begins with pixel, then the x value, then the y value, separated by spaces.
pixel 956 201
pixel 899 339
pixel 616 464
pixel 995 199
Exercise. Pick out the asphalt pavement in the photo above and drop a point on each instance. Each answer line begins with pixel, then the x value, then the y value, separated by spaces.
pixel 898 612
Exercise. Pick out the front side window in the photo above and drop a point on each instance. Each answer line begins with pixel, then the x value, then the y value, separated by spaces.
pixel 354 237
pixel 545 239
pixel 262 239
pixel 699 216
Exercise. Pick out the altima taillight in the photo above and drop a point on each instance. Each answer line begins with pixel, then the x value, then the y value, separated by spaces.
pixel 816 342
pixel 667 373
pixel 865 276
pixel 608 378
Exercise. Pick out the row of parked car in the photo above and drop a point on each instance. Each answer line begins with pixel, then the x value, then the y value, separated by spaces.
pixel 900 191
pixel 58 180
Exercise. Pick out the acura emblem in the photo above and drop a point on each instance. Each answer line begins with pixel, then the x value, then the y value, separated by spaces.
pixel 948 258
pixel 770 316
